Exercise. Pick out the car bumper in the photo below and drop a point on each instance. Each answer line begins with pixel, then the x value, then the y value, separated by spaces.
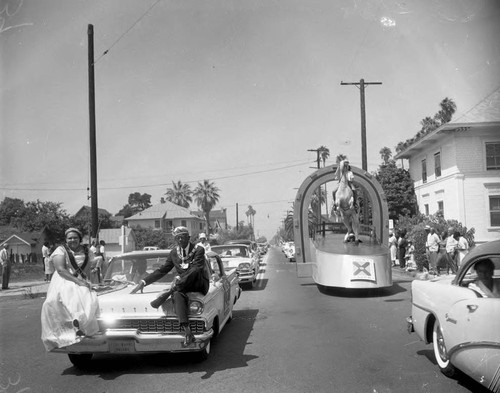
pixel 244 277
pixel 132 341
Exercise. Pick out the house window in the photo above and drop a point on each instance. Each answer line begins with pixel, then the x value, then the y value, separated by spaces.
pixel 183 223
pixel 437 164
pixel 201 226
pixel 495 210
pixel 441 207
pixel 157 223
pixel 424 171
pixel 492 156
pixel 426 209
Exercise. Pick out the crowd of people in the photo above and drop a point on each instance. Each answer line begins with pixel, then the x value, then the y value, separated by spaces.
pixel 444 251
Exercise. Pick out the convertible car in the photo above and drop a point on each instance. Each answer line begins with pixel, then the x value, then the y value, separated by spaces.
pixel 128 323
pixel 461 323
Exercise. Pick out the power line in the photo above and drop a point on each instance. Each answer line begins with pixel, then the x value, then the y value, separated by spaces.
pixel 153 185
pixel 130 28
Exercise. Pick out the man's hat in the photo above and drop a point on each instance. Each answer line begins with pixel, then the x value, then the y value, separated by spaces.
pixel 202 236
pixel 427 227
pixel 180 231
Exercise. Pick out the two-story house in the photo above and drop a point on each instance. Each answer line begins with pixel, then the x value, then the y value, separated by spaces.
pixel 456 169
pixel 167 216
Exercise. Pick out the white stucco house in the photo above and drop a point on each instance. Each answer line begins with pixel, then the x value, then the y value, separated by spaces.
pixel 167 216
pixel 456 169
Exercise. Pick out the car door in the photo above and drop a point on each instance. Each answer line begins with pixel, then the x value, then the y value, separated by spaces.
pixel 472 335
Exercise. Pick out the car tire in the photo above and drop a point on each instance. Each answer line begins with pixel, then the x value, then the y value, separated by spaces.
pixel 440 351
pixel 80 360
pixel 202 355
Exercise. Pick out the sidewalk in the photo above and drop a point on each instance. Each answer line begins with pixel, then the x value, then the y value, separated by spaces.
pixel 25 290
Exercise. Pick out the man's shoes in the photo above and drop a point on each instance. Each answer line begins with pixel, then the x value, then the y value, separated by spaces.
pixel 188 340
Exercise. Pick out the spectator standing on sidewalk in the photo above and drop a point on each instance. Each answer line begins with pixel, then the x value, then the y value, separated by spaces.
pixel 462 247
pixel 47 262
pixel 393 247
pixel 442 258
pixel 451 251
pixel 402 243
pixel 5 262
pixel 432 246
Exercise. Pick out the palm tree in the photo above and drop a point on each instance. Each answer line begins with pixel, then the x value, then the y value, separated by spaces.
pixel 324 154
pixel 385 154
pixel 250 213
pixel 206 196
pixel 180 194
pixel 340 157
pixel 448 109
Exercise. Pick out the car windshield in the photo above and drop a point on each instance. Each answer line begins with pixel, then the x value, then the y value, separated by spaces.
pixel 135 268
pixel 231 251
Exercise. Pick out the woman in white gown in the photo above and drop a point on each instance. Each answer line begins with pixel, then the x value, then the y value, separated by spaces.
pixel 70 310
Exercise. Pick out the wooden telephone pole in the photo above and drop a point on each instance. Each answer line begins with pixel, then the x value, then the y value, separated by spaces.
pixel 362 84
pixel 93 149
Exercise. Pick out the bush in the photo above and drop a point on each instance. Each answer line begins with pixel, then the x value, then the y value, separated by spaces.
pixel 415 229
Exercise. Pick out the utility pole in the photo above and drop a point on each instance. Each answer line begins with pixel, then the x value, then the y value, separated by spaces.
pixel 93 149
pixel 237 224
pixel 362 84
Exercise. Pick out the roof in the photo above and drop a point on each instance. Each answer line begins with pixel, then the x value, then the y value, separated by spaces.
pixel 485 113
pixel 7 233
pixel 166 210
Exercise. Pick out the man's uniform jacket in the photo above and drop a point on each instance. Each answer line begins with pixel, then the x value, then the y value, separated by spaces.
pixel 193 279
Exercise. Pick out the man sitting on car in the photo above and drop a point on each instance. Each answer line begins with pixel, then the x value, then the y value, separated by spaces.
pixel 192 276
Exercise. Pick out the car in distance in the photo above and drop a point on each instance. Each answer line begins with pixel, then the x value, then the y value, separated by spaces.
pixel 129 325
pixel 241 258
pixel 462 325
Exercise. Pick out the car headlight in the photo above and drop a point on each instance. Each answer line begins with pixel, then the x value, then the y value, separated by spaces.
pixel 244 265
pixel 195 307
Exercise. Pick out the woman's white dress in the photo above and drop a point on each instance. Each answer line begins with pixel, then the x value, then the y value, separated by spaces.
pixel 65 302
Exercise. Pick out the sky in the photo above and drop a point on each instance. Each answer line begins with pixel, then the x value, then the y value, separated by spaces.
pixel 233 91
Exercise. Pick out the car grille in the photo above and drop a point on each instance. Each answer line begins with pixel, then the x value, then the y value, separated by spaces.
pixel 153 325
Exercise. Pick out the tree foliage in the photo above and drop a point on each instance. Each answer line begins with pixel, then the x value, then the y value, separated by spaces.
pixel 206 195
pixel 415 228
pixel 180 194
pixel 137 202
pixel 242 232
pixel 398 188
pixel 153 237
pixel 429 124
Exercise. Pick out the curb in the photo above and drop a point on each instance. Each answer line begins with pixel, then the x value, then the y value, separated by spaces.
pixel 24 291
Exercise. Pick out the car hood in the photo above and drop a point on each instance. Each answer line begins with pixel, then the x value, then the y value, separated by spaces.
pixel 120 302
pixel 234 262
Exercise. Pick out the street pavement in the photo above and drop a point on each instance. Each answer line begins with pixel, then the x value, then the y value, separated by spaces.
pixel 32 289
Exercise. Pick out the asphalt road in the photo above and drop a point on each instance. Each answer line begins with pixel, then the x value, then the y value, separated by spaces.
pixel 286 336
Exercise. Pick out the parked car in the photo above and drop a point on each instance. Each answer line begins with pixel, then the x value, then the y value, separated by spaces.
pixel 462 325
pixel 240 256
pixel 290 251
pixel 128 323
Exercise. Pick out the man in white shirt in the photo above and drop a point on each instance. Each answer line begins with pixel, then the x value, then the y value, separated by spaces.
pixel 5 266
pixel 432 246
pixel 462 247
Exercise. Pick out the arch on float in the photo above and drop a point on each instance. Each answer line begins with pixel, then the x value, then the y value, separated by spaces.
pixel 363 179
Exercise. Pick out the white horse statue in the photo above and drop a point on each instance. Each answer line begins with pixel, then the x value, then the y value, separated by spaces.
pixel 343 202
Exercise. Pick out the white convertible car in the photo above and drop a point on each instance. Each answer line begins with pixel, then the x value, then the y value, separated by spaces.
pixel 128 323
pixel 461 323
